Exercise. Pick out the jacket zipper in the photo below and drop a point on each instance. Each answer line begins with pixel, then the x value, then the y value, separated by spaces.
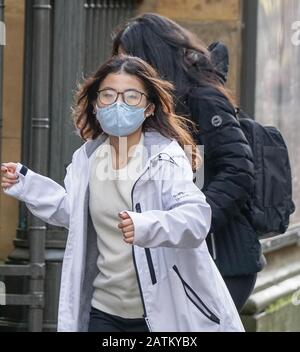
pixel 197 300
pixel 148 253
pixel 134 261
pixel 133 254
pixel 213 246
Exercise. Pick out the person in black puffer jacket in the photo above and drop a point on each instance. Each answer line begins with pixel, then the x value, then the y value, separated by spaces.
pixel 199 79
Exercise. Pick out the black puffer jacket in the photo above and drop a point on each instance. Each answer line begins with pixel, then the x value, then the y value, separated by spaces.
pixel 228 183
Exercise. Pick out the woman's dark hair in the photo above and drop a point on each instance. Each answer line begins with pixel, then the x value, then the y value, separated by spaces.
pixel 176 53
pixel 159 93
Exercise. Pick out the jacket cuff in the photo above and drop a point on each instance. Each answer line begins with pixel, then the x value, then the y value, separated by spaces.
pixel 140 228
pixel 17 189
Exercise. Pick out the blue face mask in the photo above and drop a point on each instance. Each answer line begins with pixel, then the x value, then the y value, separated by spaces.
pixel 120 119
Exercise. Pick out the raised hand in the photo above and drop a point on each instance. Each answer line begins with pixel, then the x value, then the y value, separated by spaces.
pixel 8 175
pixel 127 227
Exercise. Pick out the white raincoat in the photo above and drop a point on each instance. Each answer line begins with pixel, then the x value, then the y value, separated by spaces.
pixel 181 288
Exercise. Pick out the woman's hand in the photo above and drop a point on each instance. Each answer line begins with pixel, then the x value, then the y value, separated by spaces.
pixel 8 175
pixel 127 227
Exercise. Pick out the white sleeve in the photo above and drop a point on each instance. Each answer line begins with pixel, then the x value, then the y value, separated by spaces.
pixel 45 198
pixel 186 219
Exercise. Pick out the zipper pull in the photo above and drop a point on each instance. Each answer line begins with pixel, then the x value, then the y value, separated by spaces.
pixel 148 324
pixel 138 208
pixel 213 246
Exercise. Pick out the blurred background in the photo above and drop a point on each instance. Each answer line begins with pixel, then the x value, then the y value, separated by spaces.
pixel 50 46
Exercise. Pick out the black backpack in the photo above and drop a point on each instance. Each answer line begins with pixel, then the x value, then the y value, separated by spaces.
pixel 271 204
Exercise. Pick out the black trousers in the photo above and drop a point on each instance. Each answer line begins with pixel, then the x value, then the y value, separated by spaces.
pixel 240 288
pixel 104 322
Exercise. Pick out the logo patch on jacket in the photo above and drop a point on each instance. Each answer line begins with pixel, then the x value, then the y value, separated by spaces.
pixel 216 121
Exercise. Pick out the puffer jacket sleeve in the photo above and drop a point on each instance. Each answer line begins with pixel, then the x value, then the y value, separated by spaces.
pixel 45 198
pixel 186 218
pixel 227 155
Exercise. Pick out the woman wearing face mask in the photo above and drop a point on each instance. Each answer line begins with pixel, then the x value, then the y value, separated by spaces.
pixel 199 77
pixel 136 257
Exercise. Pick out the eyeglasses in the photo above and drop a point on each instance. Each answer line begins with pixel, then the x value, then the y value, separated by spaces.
pixel 130 97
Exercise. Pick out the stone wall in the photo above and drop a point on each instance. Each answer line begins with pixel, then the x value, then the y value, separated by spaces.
pixel 211 20
pixel 12 115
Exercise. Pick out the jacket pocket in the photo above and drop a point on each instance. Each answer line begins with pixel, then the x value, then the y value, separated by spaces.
pixel 148 253
pixel 196 300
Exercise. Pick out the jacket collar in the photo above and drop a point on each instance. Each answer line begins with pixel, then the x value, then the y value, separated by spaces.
pixel 154 142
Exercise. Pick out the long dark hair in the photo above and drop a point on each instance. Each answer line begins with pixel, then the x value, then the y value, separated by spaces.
pixel 159 92
pixel 176 53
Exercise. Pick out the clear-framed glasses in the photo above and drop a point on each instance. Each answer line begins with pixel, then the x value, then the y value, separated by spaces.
pixel 109 96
